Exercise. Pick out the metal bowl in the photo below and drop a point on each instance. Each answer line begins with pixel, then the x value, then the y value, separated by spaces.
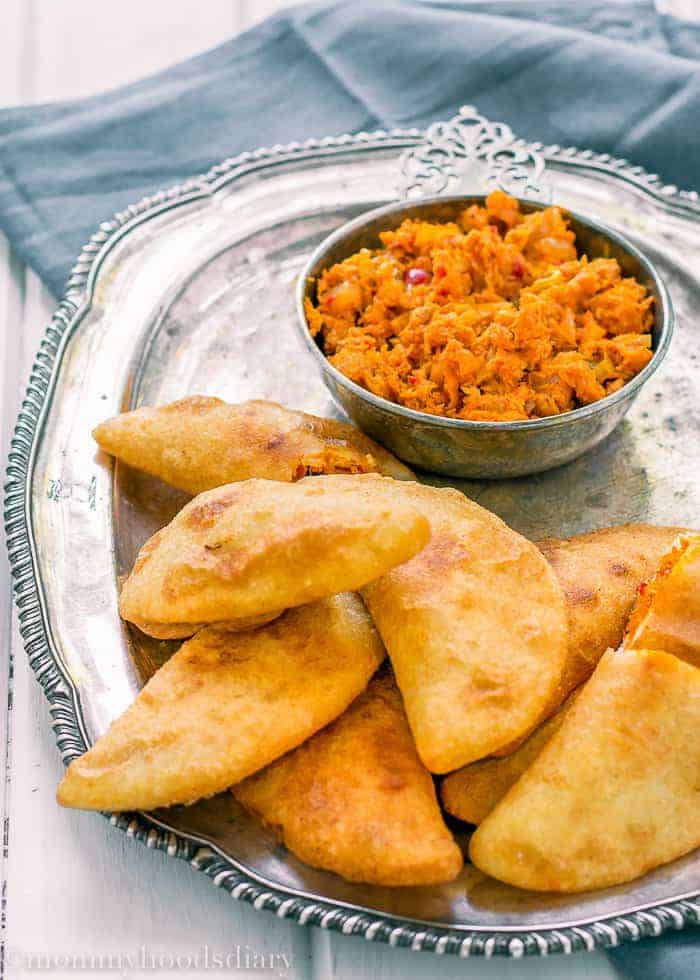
pixel 462 448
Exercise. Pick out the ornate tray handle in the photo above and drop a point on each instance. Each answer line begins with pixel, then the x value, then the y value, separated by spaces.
pixel 471 154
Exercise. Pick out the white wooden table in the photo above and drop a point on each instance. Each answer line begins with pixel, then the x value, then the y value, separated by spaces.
pixel 79 898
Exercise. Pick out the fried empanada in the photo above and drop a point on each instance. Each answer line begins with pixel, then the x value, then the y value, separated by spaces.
pixel 357 800
pixel 615 791
pixel 199 443
pixel 475 627
pixel 600 574
pixel 255 548
pixel 227 704
pixel 473 791
pixel 667 613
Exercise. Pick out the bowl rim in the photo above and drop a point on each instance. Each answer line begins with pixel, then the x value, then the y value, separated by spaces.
pixel 627 391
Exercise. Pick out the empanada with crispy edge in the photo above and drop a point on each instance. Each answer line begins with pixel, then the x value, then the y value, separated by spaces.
pixel 254 548
pixel 227 704
pixel 615 791
pixel 199 442
pixel 357 800
pixel 475 627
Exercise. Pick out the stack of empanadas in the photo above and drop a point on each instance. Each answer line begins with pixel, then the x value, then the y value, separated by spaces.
pixel 609 786
pixel 308 554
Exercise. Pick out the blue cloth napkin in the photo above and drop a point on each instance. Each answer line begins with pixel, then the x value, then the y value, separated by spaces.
pixel 671 957
pixel 617 78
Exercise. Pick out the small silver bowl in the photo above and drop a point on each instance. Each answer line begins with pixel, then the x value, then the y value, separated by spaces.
pixel 462 448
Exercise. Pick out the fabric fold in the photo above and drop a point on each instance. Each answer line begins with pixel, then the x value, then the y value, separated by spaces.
pixel 569 74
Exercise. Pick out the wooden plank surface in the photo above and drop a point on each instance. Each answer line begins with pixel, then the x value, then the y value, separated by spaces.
pixel 77 891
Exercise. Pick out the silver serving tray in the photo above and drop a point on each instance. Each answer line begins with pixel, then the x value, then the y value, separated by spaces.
pixel 192 291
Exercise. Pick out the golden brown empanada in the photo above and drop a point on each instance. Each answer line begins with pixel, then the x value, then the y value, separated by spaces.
pixel 614 792
pixel 198 443
pixel 357 800
pixel 255 548
pixel 475 626
pixel 227 704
